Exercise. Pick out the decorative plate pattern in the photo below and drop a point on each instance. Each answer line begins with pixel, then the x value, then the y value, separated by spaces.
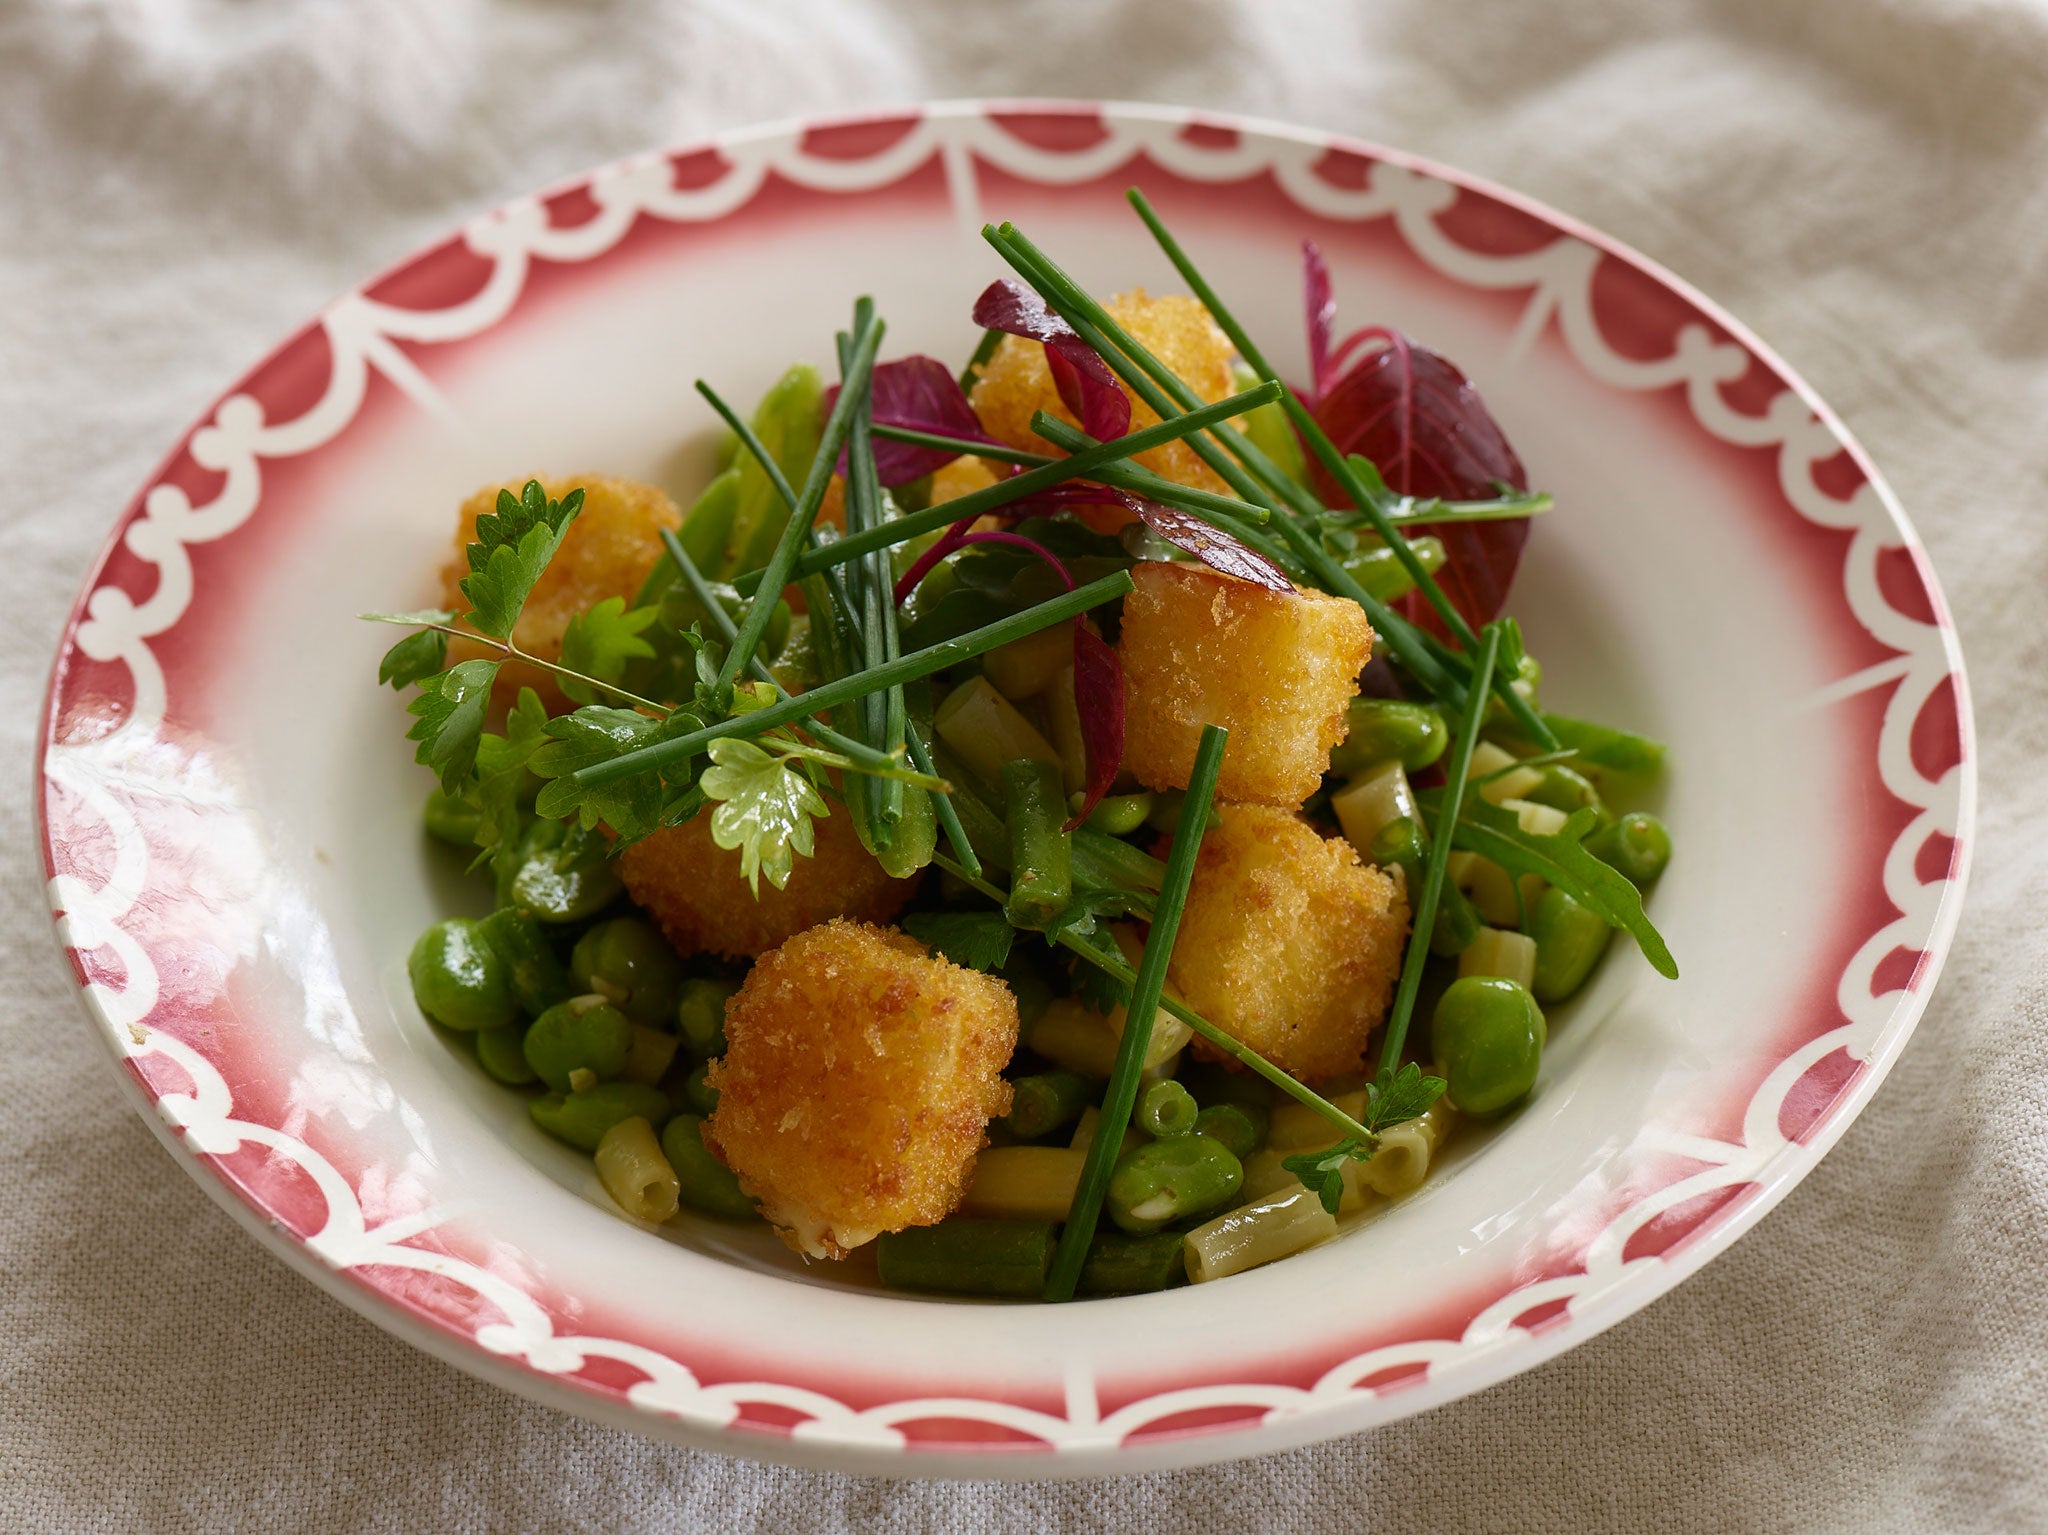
pixel 128 794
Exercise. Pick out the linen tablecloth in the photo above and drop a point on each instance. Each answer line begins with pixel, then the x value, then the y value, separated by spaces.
pixel 1865 181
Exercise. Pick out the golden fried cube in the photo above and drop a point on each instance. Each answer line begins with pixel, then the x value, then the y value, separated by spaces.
pixel 1288 942
pixel 1174 328
pixel 1274 669
pixel 858 1081
pixel 694 889
pixel 607 552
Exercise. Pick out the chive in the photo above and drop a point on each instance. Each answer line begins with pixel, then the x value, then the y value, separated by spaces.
pixel 1337 463
pixel 1080 466
pixel 984 349
pixel 1086 1210
pixel 853 391
pixel 828 695
pixel 885 713
pixel 1423 920
pixel 942 804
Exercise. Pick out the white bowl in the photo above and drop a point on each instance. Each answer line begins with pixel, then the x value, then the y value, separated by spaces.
pixel 231 825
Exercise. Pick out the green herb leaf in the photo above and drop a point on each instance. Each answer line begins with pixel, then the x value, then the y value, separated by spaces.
pixel 1094 985
pixel 601 642
pixel 415 657
pixel 631 807
pixel 501 764
pixel 451 706
pixel 1323 1171
pixel 766 809
pixel 1557 858
pixel 980 940
pixel 1401 1096
pixel 513 546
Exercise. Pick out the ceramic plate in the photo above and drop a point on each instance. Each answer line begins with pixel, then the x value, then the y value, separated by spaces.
pixel 231 818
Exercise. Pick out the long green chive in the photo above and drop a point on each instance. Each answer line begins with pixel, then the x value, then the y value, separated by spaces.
pixel 829 695
pixel 1422 920
pixel 942 804
pixel 1122 1092
pixel 884 714
pixel 1079 467
pixel 853 390
pixel 984 349
pixel 1337 463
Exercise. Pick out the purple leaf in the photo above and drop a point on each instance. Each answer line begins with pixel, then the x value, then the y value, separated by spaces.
pixel 1423 424
pixel 1087 387
pixel 1320 312
pixel 1212 546
pixel 922 394
pixel 1099 700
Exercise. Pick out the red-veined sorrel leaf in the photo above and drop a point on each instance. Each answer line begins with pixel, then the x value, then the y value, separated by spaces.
pixel 1099 700
pixel 922 394
pixel 1212 546
pixel 1423 424
pixel 1086 386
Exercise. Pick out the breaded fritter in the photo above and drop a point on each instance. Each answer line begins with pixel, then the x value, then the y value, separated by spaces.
pixel 858 1081
pixel 1175 328
pixel 1199 647
pixel 1288 942
pixel 607 552
pixel 694 889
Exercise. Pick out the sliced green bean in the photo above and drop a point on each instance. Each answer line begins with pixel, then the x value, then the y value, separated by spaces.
pixel 968 1257
pixel 1638 846
pixel 1045 1101
pixel 1041 849
pixel 1166 1109
pixel 581 1119
pixel 1240 1126
pixel 1122 1264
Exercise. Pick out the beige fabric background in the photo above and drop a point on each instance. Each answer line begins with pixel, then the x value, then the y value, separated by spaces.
pixel 1866 181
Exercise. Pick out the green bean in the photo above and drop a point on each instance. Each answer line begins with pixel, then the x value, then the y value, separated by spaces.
pixel 1166 1109
pixel 708 1185
pixel 699 1096
pixel 1171 1180
pixel 1043 1102
pixel 1638 846
pixel 1379 568
pixel 968 1257
pixel 629 964
pixel 1380 730
pixel 1122 1264
pixel 1487 1036
pixel 700 1014
pixel 584 1034
pixel 458 979
pixel 1041 851
pixel 1569 942
pixel 981 821
pixel 1605 748
pixel 502 1054
pixel 582 1118
pixel 451 820
pixel 1403 843
pixel 913 836
pixel 1239 1126
pixel 1117 815
pixel 1566 788
pixel 537 977
pixel 558 872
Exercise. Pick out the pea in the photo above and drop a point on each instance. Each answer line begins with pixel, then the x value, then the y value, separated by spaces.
pixel 537 977
pixel 582 1034
pixel 451 820
pixel 700 1014
pixel 708 1185
pixel 1380 730
pixel 630 965
pixel 502 1054
pixel 1569 942
pixel 1638 846
pixel 1161 1182
pixel 458 979
pixel 699 1096
pixel 558 873
pixel 1117 814
pixel 1487 1035
pixel 1166 1108
pixel 582 1118
pixel 1240 1126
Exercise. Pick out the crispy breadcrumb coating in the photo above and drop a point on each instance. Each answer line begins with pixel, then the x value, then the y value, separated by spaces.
pixel 1175 328
pixel 1199 647
pixel 607 552
pixel 1289 943
pixel 694 889
pixel 858 1081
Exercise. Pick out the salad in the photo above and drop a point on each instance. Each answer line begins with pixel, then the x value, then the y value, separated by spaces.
pixel 1077 823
